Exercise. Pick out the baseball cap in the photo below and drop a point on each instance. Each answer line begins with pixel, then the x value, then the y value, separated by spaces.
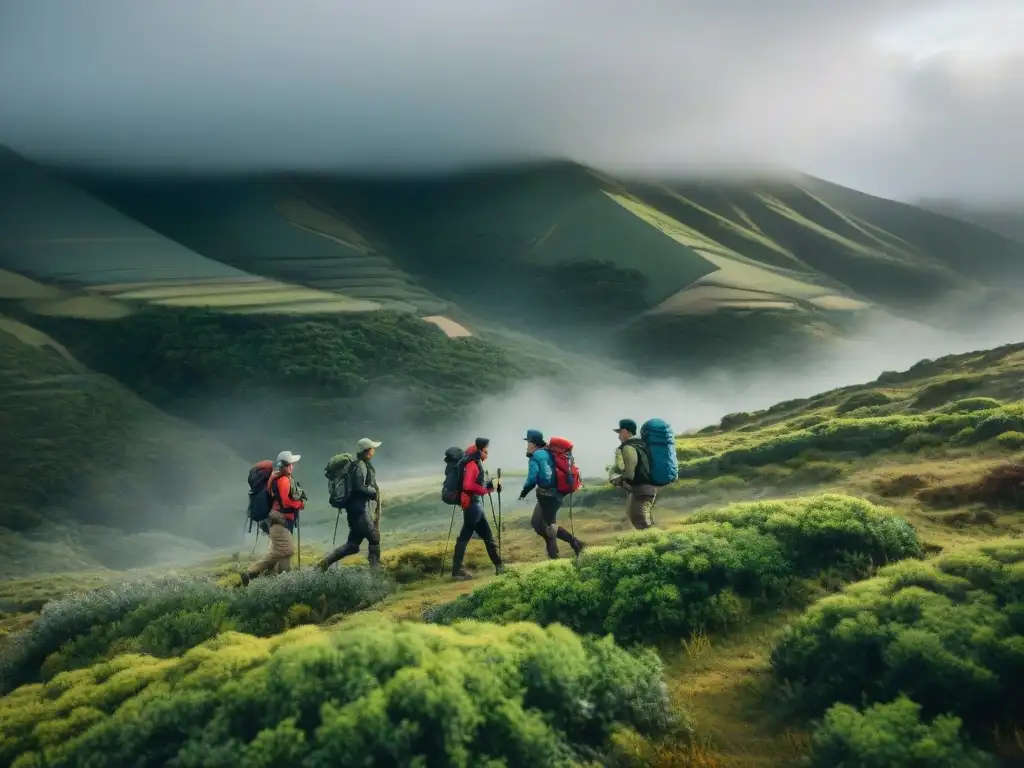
pixel 627 424
pixel 287 457
pixel 366 444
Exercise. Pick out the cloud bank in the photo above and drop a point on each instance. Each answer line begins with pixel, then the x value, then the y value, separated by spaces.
pixel 903 98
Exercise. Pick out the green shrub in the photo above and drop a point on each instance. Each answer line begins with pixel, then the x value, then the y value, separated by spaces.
pixel 815 531
pixel 863 400
pixel 940 392
pixel 724 484
pixel 970 404
pixel 733 420
pixel 654 586
pixel 891 736
pixel 370 692
pixel 920 440
pixel 949 633
pixel 1011 440
pixel 167 617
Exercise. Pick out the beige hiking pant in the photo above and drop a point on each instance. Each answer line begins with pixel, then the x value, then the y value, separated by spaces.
pixel 279 553
pixel 639 510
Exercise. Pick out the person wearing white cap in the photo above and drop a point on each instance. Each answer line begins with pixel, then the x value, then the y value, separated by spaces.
pixel 361 524
pixel 288 499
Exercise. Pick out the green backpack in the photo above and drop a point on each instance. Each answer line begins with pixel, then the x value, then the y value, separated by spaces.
pixel 339 479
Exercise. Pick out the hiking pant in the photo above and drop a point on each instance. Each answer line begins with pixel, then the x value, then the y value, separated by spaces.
pixel 639 510
pixel 360 528
pixel 545 513
pixel 279 553
pixel 474 520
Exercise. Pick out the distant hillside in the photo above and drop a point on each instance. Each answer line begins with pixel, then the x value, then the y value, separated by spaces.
pixel 1005 220
pixel 684 272
pixel 442 290
pixel 83 448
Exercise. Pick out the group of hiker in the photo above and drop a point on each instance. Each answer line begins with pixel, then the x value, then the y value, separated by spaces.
pixel 645 460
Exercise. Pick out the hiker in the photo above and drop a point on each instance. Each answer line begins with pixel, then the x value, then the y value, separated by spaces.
pixel 541 476
pixel 288 499
pixel 632 472
pixel 474 519
pixel 362 492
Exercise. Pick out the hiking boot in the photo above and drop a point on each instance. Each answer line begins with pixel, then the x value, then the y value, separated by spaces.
pixel 322 565
pixel 462 575
pixel 373 555
pixel 458 572
pixel 499 569
pixel 245 579
pixel 577 547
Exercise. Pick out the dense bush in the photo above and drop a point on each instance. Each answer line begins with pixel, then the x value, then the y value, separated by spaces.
pixel 815 531
pixel 949 633
pixel 971 404
pixel 370 692
pixel 942 391
pixel 863 400
pixel 1011 440
pixel 862 436
pixel 171 355
pixel 891 736
pixel 709 575
pixel 167 617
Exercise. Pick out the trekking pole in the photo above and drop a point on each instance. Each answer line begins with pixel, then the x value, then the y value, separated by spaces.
pixel 334 539
pixel 256 541
pixel 572 528
pixel 447 541
pixel 499 514
pixel 298 532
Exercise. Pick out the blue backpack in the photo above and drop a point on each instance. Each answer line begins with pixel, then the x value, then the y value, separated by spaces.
pixel 661 447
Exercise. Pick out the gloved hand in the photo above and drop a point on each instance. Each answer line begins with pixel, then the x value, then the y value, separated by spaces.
pixel 497 487
pixel 523 495
pixel 490 485
pixel 303 496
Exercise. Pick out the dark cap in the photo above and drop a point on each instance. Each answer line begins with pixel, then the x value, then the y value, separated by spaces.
pixel 482 442
pixel 627 424
pixel 534 436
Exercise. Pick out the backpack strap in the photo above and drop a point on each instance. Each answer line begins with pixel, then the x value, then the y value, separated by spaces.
pixel 642 476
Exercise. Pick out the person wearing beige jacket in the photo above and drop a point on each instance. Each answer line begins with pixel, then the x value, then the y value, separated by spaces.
pixel 631 471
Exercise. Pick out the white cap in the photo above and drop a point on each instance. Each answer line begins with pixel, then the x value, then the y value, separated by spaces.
pixel 287 457
pixel 366 444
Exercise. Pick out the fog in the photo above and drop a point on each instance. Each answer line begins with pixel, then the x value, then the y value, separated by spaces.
pixel 589 413
pixel 902 99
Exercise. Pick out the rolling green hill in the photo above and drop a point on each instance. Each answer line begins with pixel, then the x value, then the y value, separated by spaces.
pixel 82 447
pixel 688 270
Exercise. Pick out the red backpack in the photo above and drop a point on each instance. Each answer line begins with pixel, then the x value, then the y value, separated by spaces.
pixel 567 474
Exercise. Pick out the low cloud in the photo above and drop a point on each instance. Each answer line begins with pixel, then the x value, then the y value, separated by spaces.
pixel 880 94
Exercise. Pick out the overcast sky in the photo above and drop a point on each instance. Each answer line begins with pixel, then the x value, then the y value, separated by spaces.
pixel 898 97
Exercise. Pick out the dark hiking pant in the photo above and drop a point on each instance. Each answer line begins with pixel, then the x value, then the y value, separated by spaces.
pixel 360 528
pixel 545 514
pixel 474 520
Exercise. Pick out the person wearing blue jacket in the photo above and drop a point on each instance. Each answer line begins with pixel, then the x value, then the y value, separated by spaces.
pixel 541 476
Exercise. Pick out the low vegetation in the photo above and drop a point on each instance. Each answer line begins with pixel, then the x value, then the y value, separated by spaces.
pixel 948 633
pixel 166 618
pixel 715 572
pixel 892 735
pixel 372 692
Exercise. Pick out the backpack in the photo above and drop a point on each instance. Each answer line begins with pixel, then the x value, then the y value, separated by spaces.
pixel 260 500
pixel 567 474
pixel 451 488
pixel 660 443
pixel 339 479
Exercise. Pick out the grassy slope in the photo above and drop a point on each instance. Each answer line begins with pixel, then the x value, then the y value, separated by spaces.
pixel 756 266
pixel 724 679
pixel 89 452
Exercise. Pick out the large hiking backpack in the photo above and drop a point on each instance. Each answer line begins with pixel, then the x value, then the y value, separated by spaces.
pixel 339 479
pixel 260 500
pixel 567 474
pixel 451 488
pixel 661 451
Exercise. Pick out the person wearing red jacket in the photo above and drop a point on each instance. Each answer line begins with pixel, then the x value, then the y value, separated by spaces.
pixel 474 519
pixel 288 499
